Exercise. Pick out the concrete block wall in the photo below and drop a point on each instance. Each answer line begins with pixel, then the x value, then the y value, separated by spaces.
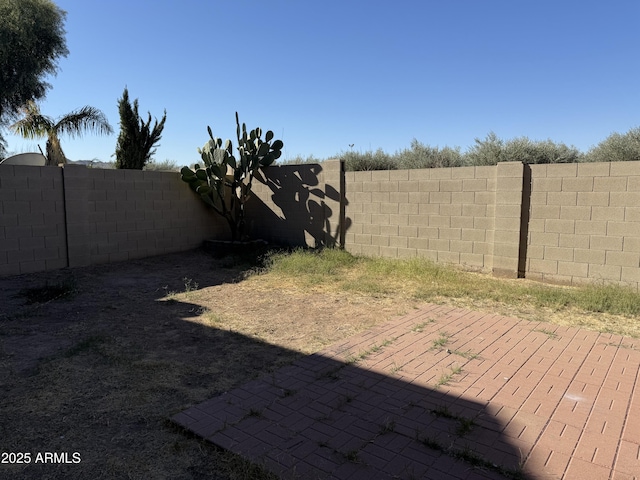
pixel 561 223
pixel 76 216
pixel 116 215
pixel 508 220
pixel 32 219
pixel 585 223
pixel 445 214
pixel 298 205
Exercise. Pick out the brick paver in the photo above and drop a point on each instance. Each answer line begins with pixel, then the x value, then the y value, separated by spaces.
pixel 442 393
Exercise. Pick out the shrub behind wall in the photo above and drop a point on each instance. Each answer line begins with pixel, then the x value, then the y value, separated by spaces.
pixel 490 151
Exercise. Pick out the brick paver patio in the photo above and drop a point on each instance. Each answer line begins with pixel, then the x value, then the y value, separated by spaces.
pixel 442 393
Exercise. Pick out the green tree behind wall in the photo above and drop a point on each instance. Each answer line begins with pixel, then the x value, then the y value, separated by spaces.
pixel 32 39
pixel 137 138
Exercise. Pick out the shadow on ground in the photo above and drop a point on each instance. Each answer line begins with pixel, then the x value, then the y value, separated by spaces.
pixel 321 418
pixel 99 373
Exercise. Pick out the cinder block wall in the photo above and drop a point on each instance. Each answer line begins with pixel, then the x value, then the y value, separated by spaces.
pixel 116 215
pixel 445 214
pixel 585 223
pixel 32 219
pixel 298 205
pixel 569 223
pixel 110 215
pixel 561 223
pixel 509 222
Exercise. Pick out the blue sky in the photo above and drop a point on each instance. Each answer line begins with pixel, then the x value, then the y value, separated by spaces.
pixel 376 74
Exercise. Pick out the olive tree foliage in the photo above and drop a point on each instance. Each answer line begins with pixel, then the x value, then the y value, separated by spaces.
pixel 617 147
pixel 137 139
pixel 493 150
pixel 32 40
pixel 488 151
pixel 378 160
pixel 426 156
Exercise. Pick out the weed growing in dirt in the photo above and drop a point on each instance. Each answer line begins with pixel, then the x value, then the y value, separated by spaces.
pixel 189 285
pixel 311 266
pixel 470 457
pixel 388 426
pixel 443 412
pixel 431 443
pixel 344 400
pixel 469 355
pixel 353 359
pixel 255 413
pixel 331 373
pixel 622 345
pixel 352 456
pixel 465 425
pixel 170 295
pixel 395 368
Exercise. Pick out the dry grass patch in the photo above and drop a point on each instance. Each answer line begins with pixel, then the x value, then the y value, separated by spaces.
pixel 603 308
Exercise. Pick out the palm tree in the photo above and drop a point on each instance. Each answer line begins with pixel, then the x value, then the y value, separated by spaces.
pixel 36 125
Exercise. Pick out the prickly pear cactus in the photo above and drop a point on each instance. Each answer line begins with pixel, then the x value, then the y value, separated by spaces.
pixel 224 181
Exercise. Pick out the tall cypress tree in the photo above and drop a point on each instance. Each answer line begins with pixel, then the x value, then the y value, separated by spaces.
pixel 137 139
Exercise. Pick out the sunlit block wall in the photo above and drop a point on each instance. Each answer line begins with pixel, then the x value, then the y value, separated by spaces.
pixel 445 214
pixel 585 223
pixel 561 223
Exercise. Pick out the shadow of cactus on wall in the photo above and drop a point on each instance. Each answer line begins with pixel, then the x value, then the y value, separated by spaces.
pixel 296 206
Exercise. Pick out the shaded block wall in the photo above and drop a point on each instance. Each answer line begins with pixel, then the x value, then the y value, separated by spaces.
pixel 54 217
pixel 299 205
pixel 32 219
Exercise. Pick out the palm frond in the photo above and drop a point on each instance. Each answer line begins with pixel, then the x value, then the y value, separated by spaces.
pixel 84 119
pixel 33 124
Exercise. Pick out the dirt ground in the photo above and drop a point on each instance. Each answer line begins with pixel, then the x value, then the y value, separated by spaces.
pixel 94 376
